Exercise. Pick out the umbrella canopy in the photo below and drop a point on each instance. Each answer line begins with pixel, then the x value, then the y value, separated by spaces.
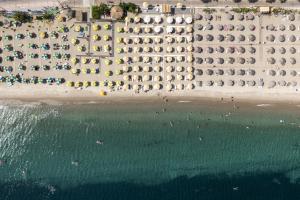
pixel 95 27
pixel 188 20
pixel 169 86
pixel 170 20
pixel 147 19
pixel 157 29
pixel 179 20
pixel 157 19
pixel 179 86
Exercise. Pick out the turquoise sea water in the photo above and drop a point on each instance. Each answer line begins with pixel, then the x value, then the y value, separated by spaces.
pixel 159 151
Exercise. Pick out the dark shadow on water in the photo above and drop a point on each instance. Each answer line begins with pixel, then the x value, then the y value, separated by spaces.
pixel 263 186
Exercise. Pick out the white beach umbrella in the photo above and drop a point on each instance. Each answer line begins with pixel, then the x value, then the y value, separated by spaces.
pixel 190 59
pixel 190 69
pixel 170 20
pixel 190 86
pixel 169 86
pixel 179 49
pixel 157 29
pixel 146 68
pixel 169 69
pixel 189 38
pixel 179 58
pixel 137 40
pixel 179 68
pixel 137 19
pixel 147 30
pixel 179 30
pixel 157 49
pixel 157 40
pixel 190 77
pixel 136 68
pixel 137 49
pixel 146 87
pixel 170 29
pixel 170 39
pixel 209 83
pixel 157 69
pixel 189 29
pixel 147 40
pixel 170 77
pixel 136 77
pixel 179 86
pixel 179 39
pixel 137 29
pixel 136 87
pixel 147 19
pixel 146 49
pixel 127 40
pixel 157 19
pixel 179 20
pixel 230 83
pixel 157 86
pixel 157 59
pixel 170 49
pixel 170 59
pixel 146 77
pixel 179 77
pixel 126 77
pixel 157 78
pixel 190 48
pixel 146 59
pixel 188 20
pixel 126 87
pixel 125 68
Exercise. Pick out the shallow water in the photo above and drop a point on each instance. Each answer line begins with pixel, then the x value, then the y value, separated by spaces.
pixel 174 151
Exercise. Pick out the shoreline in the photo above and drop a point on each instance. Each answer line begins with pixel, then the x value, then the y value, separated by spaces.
pixel 262 101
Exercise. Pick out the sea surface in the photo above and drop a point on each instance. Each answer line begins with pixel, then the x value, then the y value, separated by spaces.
pixel 177 150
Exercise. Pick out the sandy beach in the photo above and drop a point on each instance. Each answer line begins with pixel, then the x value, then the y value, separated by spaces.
pixel 192 54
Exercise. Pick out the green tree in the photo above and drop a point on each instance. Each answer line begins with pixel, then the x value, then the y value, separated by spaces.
pixel 129 7
pixel 98 11
pixel 22 17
